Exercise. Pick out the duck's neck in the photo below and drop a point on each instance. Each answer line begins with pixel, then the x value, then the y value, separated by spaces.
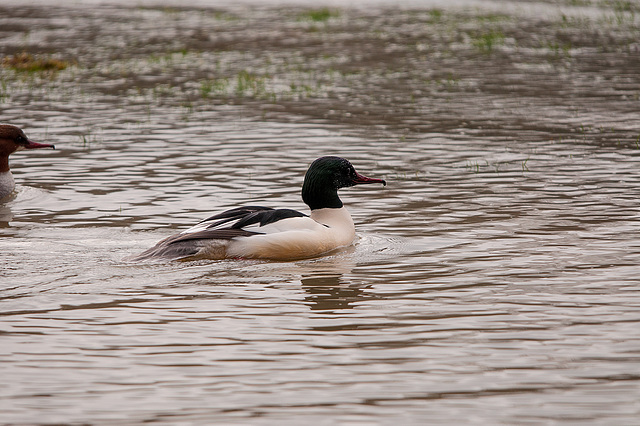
pixel 319 195
pixel 4 163
pixel 332 217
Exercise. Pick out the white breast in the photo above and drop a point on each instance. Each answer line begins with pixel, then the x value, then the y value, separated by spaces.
pixel 297 237
pixel 7 184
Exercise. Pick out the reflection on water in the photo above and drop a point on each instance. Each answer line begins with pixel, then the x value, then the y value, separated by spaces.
pixel 330 292
pixel 5 216
pixel 494 279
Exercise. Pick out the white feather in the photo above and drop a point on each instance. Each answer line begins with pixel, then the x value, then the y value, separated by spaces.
pixel 7 184
pixel 296 237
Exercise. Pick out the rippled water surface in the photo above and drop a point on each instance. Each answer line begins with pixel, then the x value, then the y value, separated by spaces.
pixel 495 280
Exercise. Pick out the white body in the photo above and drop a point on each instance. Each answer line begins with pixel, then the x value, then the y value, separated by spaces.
pixel 7 184
pixel 292 238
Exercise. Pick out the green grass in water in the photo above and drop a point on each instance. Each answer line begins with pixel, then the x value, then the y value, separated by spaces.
pixel 26 62
pixel 320 15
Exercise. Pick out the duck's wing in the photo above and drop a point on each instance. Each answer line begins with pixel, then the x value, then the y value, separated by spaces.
pixel 248 219
pixel 239 222
pixel 226 219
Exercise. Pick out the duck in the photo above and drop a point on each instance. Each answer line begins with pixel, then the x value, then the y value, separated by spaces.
pixel 256 232
pixel 12 139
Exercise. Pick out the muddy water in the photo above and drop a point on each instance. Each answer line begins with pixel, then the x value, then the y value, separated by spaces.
pixel 494 280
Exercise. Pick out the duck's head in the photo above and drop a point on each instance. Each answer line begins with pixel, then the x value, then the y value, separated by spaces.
pixel 13 139
pixel 325 177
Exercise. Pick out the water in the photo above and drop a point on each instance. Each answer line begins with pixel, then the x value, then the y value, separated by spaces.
pixel 494 280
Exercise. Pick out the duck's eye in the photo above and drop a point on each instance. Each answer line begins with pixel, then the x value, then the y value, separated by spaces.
pixel 20 140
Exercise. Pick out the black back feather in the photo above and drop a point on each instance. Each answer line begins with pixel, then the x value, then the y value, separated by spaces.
pixel 174 247
pixel 264 217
